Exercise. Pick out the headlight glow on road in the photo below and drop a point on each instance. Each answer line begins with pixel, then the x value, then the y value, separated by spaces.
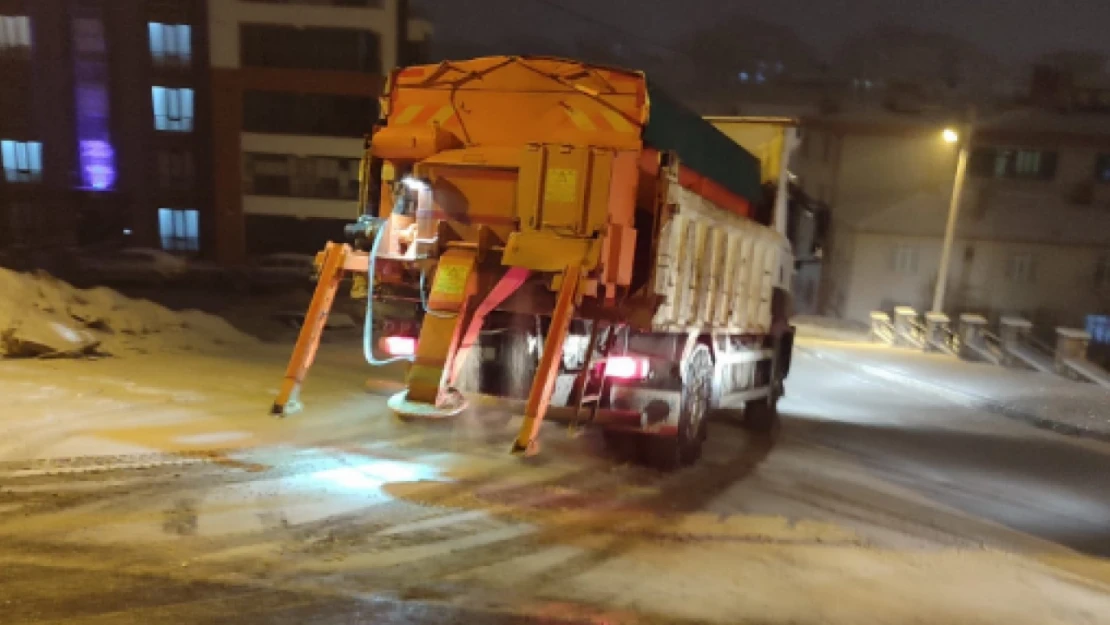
pixel 374 475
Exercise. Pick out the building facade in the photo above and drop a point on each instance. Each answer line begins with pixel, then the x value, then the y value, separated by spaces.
pixel 295 86
pixel 89 155
pixel 216 128
pixel 1033 236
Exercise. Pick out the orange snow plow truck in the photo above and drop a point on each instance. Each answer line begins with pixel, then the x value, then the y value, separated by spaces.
pixel 565 235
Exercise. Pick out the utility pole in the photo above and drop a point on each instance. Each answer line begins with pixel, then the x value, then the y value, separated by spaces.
pixel 953 213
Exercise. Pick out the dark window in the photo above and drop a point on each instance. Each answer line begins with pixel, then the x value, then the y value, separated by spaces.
pixel 268 45
pixel 1013 163
pixel 830 146
pixel 24 220
pixel 1021 268
pixel 1102 168
pixel 1102 273
pixel 308 114
pixel 16 115
pixel 905 259
pixel 176 169
pixel 268 174
pixel 325 177
pixel 171 11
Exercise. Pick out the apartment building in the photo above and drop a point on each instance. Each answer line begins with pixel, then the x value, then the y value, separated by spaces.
pixel 216 128
pixel 98 136
pixel 1033 237
pixel 295 86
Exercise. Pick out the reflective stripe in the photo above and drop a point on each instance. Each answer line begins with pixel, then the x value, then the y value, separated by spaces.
pixel 442 115
pixel 617 121
pixel 408 114
pixel 580 119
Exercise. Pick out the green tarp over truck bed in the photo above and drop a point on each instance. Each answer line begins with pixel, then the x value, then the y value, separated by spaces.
pixel 701 147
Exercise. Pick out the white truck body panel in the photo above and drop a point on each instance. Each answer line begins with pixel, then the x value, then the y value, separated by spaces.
pixel 715 270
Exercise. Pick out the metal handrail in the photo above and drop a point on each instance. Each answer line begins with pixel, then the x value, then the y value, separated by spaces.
pixel 919 331
pixel 1039 345
pixel 884 329
pixel 950 341
pixel 992 342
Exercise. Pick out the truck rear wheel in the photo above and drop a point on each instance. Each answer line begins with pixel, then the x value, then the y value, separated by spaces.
pixel 668 453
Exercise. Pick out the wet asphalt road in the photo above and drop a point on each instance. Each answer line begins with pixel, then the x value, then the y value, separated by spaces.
pixel 47 594
pixel 978 468
pixel 984 464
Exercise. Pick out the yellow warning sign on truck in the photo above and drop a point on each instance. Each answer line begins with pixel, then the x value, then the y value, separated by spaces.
pixel 561 186
pixel 450 280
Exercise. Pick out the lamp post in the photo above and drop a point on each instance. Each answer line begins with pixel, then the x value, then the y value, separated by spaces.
pixel 950 135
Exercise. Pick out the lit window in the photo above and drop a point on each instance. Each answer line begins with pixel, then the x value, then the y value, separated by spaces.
pixel 1021 268
pixel 173 109
pixel 22 160
pixel 179 229
pixel 171 44
pixel 15 33
pixel 904 260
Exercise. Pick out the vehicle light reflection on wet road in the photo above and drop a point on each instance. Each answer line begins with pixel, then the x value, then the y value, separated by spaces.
pixel 373 475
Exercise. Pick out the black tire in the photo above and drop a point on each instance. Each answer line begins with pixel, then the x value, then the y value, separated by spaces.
pixel 518 364
pixel 761 416
pixel 624 446
pixel 510 374
pixel 668 453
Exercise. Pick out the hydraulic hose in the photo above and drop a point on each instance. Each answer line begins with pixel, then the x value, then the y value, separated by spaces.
pixel 368 326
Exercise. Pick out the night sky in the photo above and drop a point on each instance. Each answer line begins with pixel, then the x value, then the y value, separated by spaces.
pixel 1012 30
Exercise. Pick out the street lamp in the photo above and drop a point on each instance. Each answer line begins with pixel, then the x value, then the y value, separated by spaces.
pixel 950 135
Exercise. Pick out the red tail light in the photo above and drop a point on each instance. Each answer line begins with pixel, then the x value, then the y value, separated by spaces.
pixel 627 367
pixel 399 345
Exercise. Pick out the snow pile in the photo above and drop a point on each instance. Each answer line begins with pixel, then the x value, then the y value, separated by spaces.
pixel 41 316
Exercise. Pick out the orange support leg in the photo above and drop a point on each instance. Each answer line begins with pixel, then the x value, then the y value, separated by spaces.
pixel 454 283
pixel 539 396
pixel 331 274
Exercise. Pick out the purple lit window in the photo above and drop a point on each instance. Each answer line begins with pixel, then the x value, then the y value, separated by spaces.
pixel 95 152
pixel 98 164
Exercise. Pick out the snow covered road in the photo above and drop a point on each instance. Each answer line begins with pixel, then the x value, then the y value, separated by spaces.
pixel 156 489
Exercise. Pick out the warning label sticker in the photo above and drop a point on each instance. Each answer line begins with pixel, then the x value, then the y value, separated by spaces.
pixel 450 280
pixel 561 186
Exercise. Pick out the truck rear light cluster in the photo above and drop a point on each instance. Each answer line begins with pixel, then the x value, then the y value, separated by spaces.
pixel 399 345
pixel 627 368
